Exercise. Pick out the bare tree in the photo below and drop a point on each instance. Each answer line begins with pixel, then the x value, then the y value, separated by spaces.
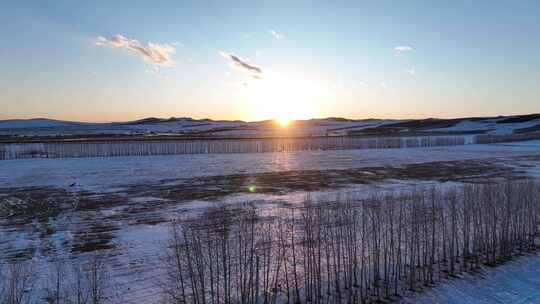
pixel 17 282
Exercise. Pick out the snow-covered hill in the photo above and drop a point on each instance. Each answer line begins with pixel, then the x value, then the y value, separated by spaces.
pixel 36 123
pixel 312 127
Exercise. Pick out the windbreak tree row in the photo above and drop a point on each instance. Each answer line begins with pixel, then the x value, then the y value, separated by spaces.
pixel 498 138
pixel 170 147
pixel 350 251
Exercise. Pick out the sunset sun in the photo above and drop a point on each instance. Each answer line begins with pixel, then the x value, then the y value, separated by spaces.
pixel 283 121
pixel 283 98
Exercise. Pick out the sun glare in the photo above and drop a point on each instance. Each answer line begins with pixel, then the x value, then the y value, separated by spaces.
pixel 283 98
pixel 282 121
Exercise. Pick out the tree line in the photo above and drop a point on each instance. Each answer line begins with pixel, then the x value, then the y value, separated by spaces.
pixel 168 147
pixel 62 281
pixel 350 251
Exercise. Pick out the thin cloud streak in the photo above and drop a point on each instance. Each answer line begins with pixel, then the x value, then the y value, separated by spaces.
pixel 154 53
pixel 402 48
pixel 255 71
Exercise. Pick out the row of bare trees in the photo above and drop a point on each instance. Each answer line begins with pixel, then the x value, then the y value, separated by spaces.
pixel 61 282
pixel 166 147
pixel 350 251
pixel 499 138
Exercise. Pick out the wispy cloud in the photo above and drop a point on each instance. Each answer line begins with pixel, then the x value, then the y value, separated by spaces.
pixel 242 64
pixel 153 53
pixel 411 72
pixel 276 35
pixel 402 48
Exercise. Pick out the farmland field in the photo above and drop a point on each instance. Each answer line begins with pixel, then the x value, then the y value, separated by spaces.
pixel 74 207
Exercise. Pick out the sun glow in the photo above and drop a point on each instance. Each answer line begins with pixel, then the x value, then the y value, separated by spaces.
pixel 283 122
pixel 283 98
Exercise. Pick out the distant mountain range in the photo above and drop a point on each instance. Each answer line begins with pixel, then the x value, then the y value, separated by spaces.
pixel 311 127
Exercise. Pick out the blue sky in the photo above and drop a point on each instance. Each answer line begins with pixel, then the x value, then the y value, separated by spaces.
pixel 317 59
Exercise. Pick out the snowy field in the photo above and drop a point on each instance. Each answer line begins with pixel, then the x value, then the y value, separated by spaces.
pixel 517 282
pixel 121 205
pixel 104 173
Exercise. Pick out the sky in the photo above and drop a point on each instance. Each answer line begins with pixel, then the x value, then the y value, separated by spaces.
pixel 253 60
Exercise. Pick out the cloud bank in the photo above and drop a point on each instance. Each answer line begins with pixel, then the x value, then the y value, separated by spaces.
pixel 254 71
pixel 153 53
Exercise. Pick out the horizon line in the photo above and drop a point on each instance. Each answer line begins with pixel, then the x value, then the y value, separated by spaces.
pixel 264 120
